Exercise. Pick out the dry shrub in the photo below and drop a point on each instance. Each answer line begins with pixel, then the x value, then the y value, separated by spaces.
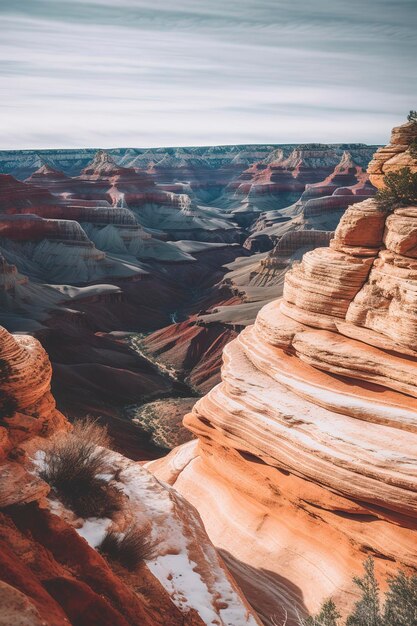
pixel 72 465
pixel 129 549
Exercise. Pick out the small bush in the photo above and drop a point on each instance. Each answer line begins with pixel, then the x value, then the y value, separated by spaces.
pixel 400 190
pixel 412 148
pixel 130 549
pixel 73 462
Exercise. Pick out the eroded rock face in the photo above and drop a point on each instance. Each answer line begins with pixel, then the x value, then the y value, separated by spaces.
pixel 50 571
pixel 306 453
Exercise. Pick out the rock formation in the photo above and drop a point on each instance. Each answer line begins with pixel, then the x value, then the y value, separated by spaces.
pixel 105 242
pixel 395 155
pixel 58 251
pixel 278 180
pixel 320 206
pixel 306 454
pixel 50 571
pixel 50 178
pixel 18 197
pixel 26 404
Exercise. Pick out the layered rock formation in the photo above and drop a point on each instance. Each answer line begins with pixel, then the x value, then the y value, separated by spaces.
pixel 173 213
pixel 26 403
pixel 277 181
pixel 105 242
pixel 306 453
pixel 320 206
pixel 50 178
pixel 50 571
pixel 395 155
pixel 58 251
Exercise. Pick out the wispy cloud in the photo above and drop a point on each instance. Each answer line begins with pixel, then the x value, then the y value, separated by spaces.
pixel 141 72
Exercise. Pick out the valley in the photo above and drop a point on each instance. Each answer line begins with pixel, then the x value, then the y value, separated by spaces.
pixel 180 245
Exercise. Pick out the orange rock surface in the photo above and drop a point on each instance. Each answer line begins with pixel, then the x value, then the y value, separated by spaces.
pixel 306 459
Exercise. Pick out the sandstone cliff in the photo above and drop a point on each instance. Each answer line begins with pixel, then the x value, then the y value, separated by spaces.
pixel 50 572
pixel 306 454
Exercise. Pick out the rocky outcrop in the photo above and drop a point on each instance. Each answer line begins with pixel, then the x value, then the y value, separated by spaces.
pixel 26 403
pixel 395 155
pixel 52 179
pixel 306 453
pixel 50 570
pixel 191 350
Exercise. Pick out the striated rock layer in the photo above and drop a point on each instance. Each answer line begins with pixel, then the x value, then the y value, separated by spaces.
pixel 306 459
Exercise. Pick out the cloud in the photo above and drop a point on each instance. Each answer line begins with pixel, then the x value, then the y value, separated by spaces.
pixel 140 72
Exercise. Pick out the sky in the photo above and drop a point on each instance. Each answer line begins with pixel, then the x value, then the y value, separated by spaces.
pixel 141 73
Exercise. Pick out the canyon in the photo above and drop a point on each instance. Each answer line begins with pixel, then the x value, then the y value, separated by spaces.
pixel 263 293
pixel 135 267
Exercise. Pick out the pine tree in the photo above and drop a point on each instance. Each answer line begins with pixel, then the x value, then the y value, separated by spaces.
pixel 401 601
pixel 328 615
pixel 367 611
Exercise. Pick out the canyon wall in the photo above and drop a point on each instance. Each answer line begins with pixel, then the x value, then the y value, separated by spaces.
pixel 305 461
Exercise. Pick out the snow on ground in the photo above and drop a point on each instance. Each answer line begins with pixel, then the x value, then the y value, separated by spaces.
pixel 94 530
pixel 187 564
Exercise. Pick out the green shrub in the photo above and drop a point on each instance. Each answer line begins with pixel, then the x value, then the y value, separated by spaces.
pixel 72 464
pixel 400 190
pixel 412 116
pixel 129 549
